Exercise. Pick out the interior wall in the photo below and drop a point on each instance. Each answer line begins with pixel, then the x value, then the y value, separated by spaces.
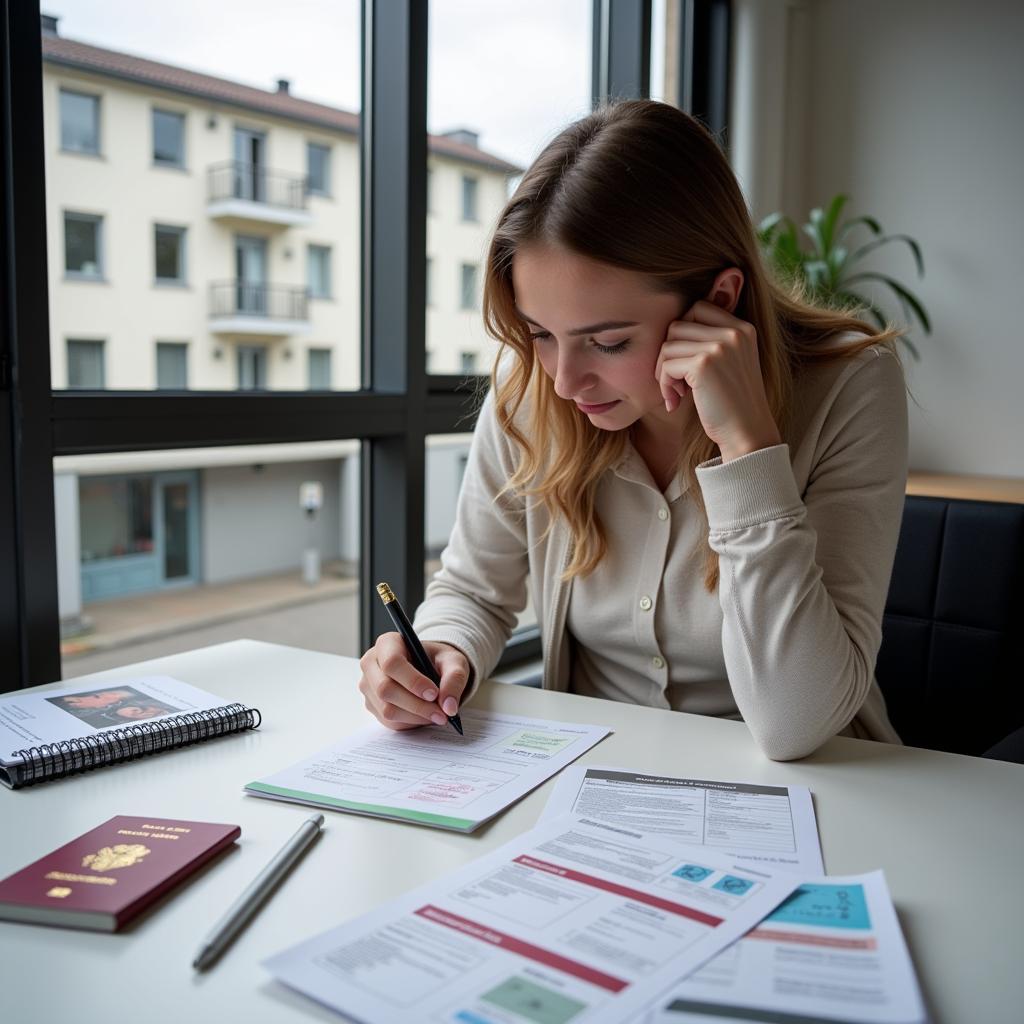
pixel 914 110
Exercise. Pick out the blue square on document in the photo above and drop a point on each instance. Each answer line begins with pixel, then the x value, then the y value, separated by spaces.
pixel 733 885
pixel 692 872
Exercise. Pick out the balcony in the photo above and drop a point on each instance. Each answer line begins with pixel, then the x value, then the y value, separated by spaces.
pixel 248 192
pixel 264 310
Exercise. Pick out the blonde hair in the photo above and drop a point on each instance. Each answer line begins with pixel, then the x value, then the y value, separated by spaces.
pixel 641 186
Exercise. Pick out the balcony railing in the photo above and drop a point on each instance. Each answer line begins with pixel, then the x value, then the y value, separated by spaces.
pixel 236 180
pixel 266 301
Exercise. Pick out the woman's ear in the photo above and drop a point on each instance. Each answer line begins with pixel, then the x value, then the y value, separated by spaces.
pixel 727 288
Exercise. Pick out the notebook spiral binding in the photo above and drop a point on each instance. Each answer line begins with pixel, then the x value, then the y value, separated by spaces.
pixel 126 743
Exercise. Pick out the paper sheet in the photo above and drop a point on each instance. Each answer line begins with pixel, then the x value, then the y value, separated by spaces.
pixel 832 952
pixel 433 775
pixel 568 922
pixel 72 712
pixel 772 827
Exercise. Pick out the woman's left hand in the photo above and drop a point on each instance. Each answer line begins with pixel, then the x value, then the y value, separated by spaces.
pixel 713 354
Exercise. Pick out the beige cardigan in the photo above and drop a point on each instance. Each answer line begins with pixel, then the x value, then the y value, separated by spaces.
pixel 805 532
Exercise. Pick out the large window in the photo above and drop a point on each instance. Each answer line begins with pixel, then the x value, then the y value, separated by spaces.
pixel 132 471
pixel 319 271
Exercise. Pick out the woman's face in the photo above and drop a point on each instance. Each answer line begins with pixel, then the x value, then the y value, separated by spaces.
pixel 597 332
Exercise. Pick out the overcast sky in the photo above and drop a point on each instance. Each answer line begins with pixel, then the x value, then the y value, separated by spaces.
pixel 515 72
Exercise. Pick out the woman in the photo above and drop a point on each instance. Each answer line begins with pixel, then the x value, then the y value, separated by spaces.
pixel 701 476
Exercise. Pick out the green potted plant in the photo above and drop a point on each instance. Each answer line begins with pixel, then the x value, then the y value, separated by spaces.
pixel 828 271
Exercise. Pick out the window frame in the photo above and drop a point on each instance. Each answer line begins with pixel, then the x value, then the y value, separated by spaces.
pixel 325 189
pixel 328 257
pixel 397 406
pixel 95 98
pixel 181 233
pixel 96 220
pixel 181 347
pixel 181 163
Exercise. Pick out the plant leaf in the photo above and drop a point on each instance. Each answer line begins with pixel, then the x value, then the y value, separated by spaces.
pixel 904 294
pixel 885 240
pixel 869 222
pixel 829 221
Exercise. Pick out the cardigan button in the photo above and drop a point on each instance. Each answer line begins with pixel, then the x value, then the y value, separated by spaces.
pixel 645 603
pixel 663 514
pixel 658 662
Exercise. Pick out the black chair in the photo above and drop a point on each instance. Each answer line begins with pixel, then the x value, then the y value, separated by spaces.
pixel 951 664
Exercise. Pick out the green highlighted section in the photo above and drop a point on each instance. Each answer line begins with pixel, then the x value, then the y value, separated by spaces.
pixel 532 1002
pixel 378 810
pixel 538 742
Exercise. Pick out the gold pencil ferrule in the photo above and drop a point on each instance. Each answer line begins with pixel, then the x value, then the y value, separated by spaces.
pixel 387 595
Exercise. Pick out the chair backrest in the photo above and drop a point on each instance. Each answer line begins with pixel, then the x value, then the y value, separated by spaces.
pixel 950 663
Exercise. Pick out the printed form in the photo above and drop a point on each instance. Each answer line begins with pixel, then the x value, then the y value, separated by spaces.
pixel 772 827
pixel 572 921
pixel 832 952
pixel 433 775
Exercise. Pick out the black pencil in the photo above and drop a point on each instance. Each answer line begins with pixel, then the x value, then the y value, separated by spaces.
pixel 417 655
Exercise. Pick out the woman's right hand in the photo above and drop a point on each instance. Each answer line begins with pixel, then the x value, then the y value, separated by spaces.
pixel 401 697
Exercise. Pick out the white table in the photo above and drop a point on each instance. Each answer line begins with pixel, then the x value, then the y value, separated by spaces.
pixel 948 830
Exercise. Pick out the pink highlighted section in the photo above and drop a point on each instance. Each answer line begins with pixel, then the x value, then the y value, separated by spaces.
pixel 833 941
pixel 621 890
pixel 523 949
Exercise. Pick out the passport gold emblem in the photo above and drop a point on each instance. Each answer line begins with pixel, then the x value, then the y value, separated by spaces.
pixel 59 892
pixel 122 855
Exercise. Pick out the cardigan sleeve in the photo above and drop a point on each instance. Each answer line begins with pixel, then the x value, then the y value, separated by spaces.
pixel 804 578
pixel 474 599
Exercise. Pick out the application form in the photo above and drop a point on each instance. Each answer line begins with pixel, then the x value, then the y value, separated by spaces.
pixel 832 952
pixel 433 775
pixel 572 921
pixel 761 826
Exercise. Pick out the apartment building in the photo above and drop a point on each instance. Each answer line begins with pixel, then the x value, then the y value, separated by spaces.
pixel 204 234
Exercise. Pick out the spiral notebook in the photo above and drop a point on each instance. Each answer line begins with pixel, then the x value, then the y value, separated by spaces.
pixel 53 733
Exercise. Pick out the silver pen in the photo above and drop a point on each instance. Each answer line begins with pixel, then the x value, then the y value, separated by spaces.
pixel 259 888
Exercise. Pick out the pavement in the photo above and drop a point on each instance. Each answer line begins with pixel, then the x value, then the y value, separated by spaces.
pixel 280 608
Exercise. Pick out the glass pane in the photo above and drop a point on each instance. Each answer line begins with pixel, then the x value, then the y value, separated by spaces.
pixel 159 552
pixel 81 245
pixel 85 365
pixel 171 365
pixel 447 456
pixel 169 254
pixel 249 146
pixel 178 552
pixel 529 65
pixel 168 138
pixel 79 122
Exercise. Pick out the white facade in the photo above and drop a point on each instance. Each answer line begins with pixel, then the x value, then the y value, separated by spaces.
pixel 244 310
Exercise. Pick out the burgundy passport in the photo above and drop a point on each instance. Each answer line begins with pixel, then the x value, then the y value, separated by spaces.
pixel 102 879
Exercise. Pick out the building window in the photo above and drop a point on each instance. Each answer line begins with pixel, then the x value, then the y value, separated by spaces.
pixel 115 517
pixel 170 254
pixel 79 122
pixel 467 290
pixel 168 139
pixel 252 367
pixel 82 245
pixel 467 362
pixel 319 369
pixel 85 365
pixel 318 169
pixel 318 271
pixel 469 192
pixel 171 365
